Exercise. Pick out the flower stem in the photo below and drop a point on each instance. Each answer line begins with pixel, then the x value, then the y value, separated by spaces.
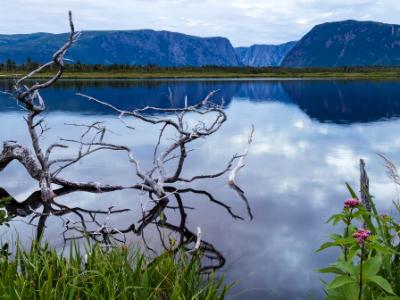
pixel 347 221
pixel 360 284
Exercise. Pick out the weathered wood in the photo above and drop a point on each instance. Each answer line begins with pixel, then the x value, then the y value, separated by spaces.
pixel 14 151
pixel 364 186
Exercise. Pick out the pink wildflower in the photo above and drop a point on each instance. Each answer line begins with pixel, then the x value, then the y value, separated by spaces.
pixel 361 235
pixel 351 203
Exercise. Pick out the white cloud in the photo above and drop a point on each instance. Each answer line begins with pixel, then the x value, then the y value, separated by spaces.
pixel 244 22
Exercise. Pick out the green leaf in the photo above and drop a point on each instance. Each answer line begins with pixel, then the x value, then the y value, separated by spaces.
pixel 382 282
pixel 390 298
pixel 345 241
pixel 360 214
pixel 346 292
pixel 335 236
pixel 340 281
pixel 352 193
pixel 352 252
pixel 331 269
pixel 379 248
pixel 351 291
pixel 326 245
pixel 335 219
pixel 346 267
pixel 372 266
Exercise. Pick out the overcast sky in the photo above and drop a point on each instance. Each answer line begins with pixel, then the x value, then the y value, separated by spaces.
pixel 244 22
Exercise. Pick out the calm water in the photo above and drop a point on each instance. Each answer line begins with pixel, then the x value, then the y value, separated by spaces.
pixel 309 137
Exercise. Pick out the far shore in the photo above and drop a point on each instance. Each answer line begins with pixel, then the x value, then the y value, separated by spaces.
pixel 363 73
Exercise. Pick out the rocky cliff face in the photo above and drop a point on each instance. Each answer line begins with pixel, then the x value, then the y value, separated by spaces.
pixel 347 43
pixel 136 47
pixel 264 55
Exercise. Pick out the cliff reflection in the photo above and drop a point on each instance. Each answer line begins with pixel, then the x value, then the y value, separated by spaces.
pixel 332 101
pixel 346 102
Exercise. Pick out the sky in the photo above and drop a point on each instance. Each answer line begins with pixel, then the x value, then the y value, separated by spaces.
pixel 244 22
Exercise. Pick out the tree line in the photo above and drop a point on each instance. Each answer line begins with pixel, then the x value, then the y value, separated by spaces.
pixel 10 65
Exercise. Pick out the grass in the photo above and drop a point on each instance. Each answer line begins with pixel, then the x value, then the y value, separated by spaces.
pixel 373 73
pixel 42 273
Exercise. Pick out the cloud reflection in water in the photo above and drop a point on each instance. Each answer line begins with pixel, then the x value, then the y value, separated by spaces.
pixel 306 147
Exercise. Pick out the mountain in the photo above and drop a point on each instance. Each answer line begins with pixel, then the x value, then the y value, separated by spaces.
pixel 347 43
pixel 263 55
pixel 136 47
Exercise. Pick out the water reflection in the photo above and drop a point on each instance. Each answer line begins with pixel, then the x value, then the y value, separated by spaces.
pixel 294 176
pixel 334 101
pixel 82 224
pixel 346 101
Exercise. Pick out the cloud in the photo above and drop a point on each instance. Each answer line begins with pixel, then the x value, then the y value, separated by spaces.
pixel 244 22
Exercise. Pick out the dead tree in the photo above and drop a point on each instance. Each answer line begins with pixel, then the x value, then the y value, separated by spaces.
pixel 40 165
pixel 164 182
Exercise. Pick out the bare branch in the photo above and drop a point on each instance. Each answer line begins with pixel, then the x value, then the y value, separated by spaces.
pixel 237 168
pixel 240 163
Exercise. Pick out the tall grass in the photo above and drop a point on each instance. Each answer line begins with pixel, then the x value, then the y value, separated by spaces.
pixel 43 273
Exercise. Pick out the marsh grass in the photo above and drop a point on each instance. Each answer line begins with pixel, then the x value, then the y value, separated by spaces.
pixel 119 273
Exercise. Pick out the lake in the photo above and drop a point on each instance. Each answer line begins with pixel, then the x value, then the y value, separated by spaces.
pixel 309 137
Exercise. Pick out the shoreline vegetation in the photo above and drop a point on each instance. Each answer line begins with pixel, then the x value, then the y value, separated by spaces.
pixel 100 273
pixel 367 266
pixel 155 72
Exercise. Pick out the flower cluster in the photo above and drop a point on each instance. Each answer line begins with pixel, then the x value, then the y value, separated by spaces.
pixel 351 203
pixel 361 235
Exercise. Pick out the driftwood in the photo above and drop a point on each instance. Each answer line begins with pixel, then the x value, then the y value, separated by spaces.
pixel 42 167
pixel 39 164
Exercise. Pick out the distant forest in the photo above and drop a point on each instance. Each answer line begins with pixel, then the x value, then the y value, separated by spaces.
pixel 9 65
